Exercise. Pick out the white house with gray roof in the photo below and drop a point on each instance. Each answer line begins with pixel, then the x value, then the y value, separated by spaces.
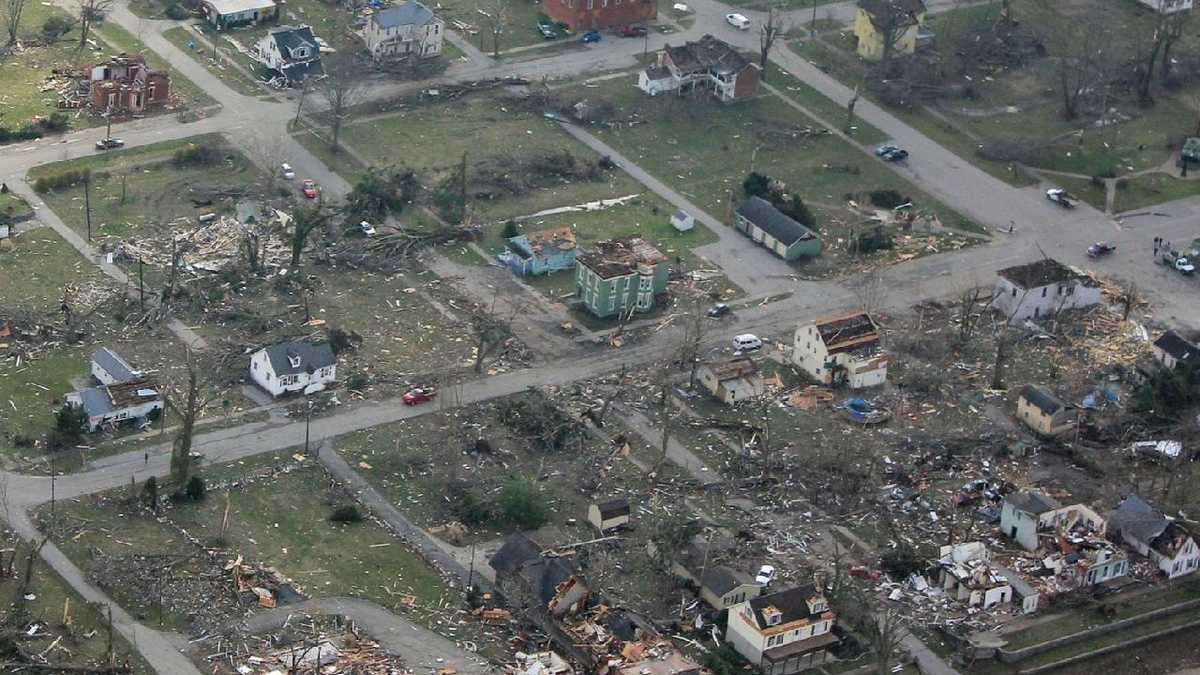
pixel 112 404
pixel 291 51
pixel 293 366
pixel 108 368
pixel 407 29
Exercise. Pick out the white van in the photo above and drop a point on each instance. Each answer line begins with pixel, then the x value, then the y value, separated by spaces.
pixel 746 342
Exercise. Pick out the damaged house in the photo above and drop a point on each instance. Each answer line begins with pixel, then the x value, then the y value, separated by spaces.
pixel 842 349
pixel 126 84
pixel 109 368
pixel 1166 542
pixel 1043 288
pixel 109 405
pixel 1171 349
pixel 541 252
pixel 620 276
pixel 966 574
pixel 1070 540
pixel 1043 412
pixel 708 65
pixel 543 587
pixel 732 381
pixel 293 366
pixel 290 52
pixel 784 632
pixel 1026 516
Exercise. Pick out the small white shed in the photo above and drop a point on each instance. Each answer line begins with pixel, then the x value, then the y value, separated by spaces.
pixel 682 220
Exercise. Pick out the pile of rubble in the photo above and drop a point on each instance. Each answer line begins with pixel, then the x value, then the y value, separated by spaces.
pixel 213 247
pixel 305 644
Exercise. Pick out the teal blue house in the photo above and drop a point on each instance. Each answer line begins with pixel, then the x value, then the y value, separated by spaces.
pixel 621 276
pixel 539 253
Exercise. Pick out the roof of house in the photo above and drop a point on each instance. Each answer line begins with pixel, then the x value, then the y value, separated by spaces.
pixel 721 579
pixel 517 550
pixel 774 222
pixel 1042 273
pixel 612 508
pixel 844 332
pixel 289 38
pixel 312 357
pixel 543 242
pixel 411 13
pixel 1180 349
pixel 792 604
pixel 673 663
pixel 1137 519
pixel 658 73
pixel 707 54
pixel 733 368
pixel 877 9
pixel 114 365
pixel 619 257
pixel 1042 398
pixel 224 7
pixel 1033 502
pixel 99 401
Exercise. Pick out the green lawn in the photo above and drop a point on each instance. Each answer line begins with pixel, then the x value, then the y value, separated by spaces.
pixel 13 208
pixel 268 525
pixel 1144 191
pixel 520 19
pixel 816 103
pixel 113 158
pixel 236 78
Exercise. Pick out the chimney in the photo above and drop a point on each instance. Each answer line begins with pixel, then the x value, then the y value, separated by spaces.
pixel 659 56
pixel 819 582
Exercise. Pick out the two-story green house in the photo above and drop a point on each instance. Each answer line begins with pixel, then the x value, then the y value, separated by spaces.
pixel 620 276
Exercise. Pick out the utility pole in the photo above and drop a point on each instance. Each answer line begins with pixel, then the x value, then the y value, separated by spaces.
pixel 87 203
pixel 108 127
pixel 307 421
pixel 141 286
pixel 471 571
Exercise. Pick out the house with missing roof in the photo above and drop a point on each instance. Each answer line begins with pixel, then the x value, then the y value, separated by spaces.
pixel 543 252
pixel 966 574
pixel 618 277
pixel 784 632
pixel 232 13
pixel 1027 515
pixel 293 366
pixel 108 405
pixel 1070 540
pixel 124 83
pixel 1043 412
pixel 732 381
pixel 609 514
pixel 898 22
pixel 777 232
pixel 407 29
pixel 1041 289
pixel 842 349
pixel 1165 541
pixel 708 65
pixel 1171 349
pixel 290 52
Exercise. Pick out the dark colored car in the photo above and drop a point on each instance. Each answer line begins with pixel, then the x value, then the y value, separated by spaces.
pixel 891 153
pixel 548 31
pixel 633 31
pixel 590 37
pixel 415 396
pixel 1100 248
pixel 109 143
pixel 719 310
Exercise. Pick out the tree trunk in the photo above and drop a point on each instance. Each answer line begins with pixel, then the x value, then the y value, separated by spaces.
pixel 1001 357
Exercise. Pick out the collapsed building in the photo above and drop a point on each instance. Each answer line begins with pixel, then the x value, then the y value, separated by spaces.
pixel 125 84
pixel 1069 542
pixel 1165 541
pixel 966 573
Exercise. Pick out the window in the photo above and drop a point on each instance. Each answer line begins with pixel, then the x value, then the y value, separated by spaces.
pixel 589 6
pixel 1014 292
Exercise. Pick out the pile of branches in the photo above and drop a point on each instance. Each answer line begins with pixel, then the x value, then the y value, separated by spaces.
pixel 540 420
pixel 504 175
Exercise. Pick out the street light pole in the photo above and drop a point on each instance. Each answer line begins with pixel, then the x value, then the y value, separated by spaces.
pixel 307 421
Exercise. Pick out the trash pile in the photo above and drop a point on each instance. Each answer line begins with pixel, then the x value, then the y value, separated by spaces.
pixel 305 644
pixel 214 246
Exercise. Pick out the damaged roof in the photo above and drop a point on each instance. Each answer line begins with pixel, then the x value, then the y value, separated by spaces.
pixel 707 54
pixel 774 222
pixel 879 9
pixel 792 604
pixel 113 365
pixel 1137 519
pixel 733 369
pixel 721 579
pixel 620 257
pixel 1177 347
pixel 1042 273
pixel 843 332
pixel 613 508
pixel 1033 502
pixel 99 401
pixel 310 357
pixel 517 550
pixel 1042 399
pixel 411 13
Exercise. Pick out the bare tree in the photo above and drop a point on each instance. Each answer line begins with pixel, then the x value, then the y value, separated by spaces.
pixel 304 221
pixel 770 31
pixel 664 406
pixel 695 328
pixel 1076 67
pixel 189 404
pixel 1130 297
pixel 488 331
pixel 342 89
pixel 91 12
pixel 12 10
pixel 870 291
pixel 497 18
pixel 893 20
pixel 885 634
pixel 1176 23
pixel 968 313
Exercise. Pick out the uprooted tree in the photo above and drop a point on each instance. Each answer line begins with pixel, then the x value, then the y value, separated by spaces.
pixel 379 194
pixel 540 421
pixel 305 219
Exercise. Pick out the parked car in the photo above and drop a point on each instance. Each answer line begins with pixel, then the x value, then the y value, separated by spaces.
pixel 719 310
pixel 309 188
pixel 548 31
pixel 747 342
pixel 890 152
pixel 287 171
pixel 1062 198
pixel 632 31
pixel 1179 263
pixel 590 37
pixel 766 574
pixel 1100 248
pixel 367 228
pixel 109 143
pixel 418 395
pixel 738 21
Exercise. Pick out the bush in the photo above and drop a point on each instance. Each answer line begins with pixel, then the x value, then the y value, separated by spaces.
pixel 887 199
pixel 196 489
pixel 57 121
pixel 197 155
pixel 877 239
pixel 346 514
pixel 523 504
pixel 511 229
pixel 62 180
pixel 56 27
pixel 150 492
pixel 725 660
pixel 466 505
pixel 177 12
pixel 901 561
pixel 70 420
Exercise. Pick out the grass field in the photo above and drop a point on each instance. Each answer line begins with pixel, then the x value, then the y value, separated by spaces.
pixel 13 208
pixel 237 79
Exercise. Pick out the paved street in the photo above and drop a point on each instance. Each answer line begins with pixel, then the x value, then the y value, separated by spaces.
pixel 1040 229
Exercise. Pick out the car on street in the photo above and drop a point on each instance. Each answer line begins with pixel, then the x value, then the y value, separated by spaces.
pixel 766 574
pixel 738 21
pixel 309 188
pixel 719 310
pixel 367 228
pixel 632 31
pixel 747 342
pixel 590 37
pixel 418 395
pixel 890 152
pixel 1100 248
pixel 1062 198
pixel 287 171
pixel 109 143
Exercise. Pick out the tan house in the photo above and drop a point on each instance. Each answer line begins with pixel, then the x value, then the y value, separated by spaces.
pixel 732 381
pixel 406 29
pixel 785 632
pixel 1044 412
pixel 901 22
pixel 609 515
pixel 843 348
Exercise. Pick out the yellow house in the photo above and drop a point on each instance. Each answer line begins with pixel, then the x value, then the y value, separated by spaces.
pixel 878 21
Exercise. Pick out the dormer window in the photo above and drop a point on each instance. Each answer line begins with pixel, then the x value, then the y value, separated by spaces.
pixel 300 53
pixel 817 605
pixel 294 360
pixel 772 615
